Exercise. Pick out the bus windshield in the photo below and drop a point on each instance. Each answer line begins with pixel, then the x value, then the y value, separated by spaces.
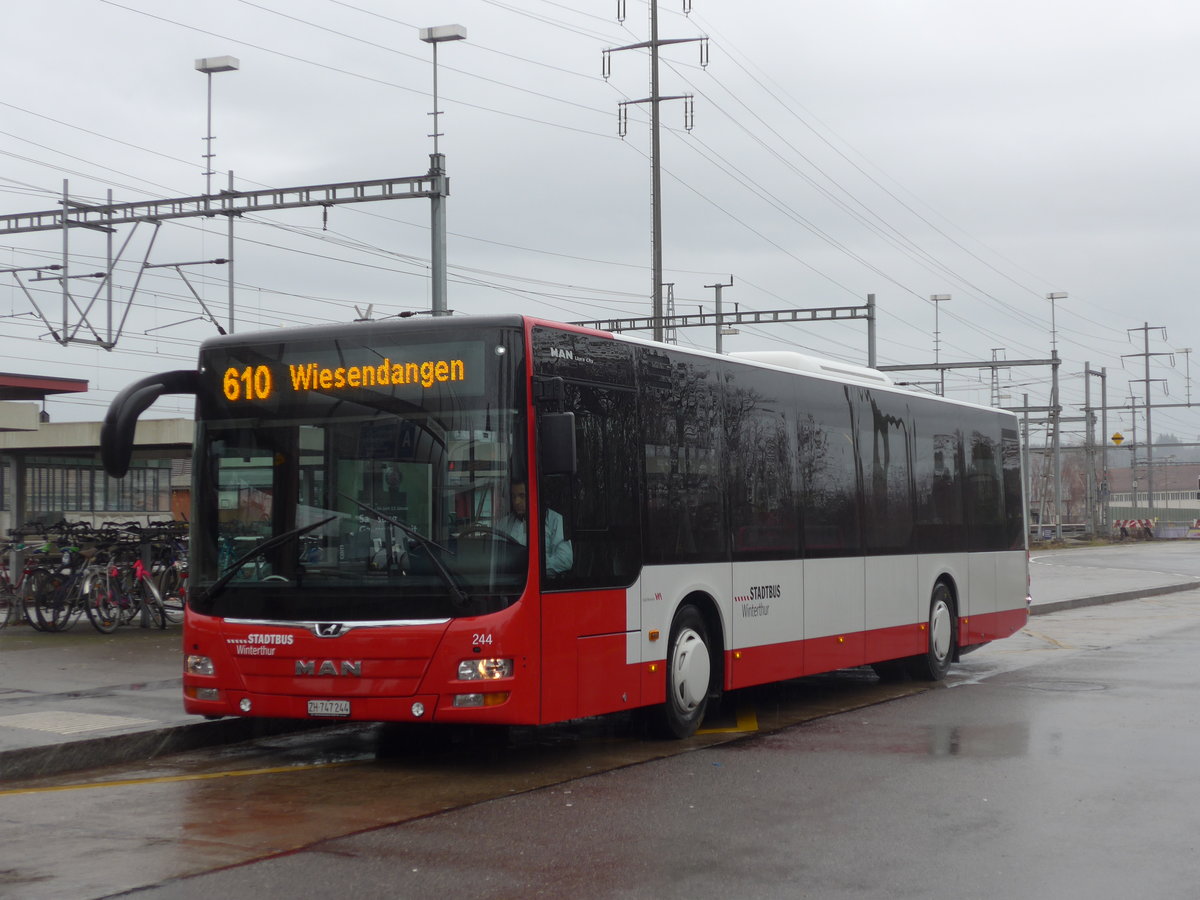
pixel 359 478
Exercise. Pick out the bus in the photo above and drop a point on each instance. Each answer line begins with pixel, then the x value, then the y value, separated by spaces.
pixel 360 546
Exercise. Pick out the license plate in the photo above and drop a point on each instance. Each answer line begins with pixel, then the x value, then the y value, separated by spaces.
pixel 329 707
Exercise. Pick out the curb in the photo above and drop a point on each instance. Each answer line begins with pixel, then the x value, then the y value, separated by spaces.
pixel 75 756
pixel 1078 602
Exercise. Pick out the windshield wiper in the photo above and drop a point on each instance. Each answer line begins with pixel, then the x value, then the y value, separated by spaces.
pixel 461 597
pixel 258 550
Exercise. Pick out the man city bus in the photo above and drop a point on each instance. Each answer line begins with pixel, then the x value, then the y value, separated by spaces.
pixel 359 551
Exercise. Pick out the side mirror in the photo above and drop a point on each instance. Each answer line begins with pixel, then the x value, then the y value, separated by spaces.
pixel 116 433
pixel 556 443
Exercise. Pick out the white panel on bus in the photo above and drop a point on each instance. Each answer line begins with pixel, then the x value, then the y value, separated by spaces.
pixel 662 590
pixel 982 599
pixel 893 591
pixel 1011 580
pixel 768 603
pixel 933 566
pixel 834 596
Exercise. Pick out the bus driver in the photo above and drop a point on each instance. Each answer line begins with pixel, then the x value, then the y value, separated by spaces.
pixel 559 556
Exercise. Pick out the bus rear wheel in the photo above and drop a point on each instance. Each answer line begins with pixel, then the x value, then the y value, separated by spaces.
pixel 689 676
pixel 942 637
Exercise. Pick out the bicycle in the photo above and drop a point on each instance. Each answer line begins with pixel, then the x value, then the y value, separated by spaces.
pixel 170 564
pixel 118 591
pixel 56 593
pixel 14 595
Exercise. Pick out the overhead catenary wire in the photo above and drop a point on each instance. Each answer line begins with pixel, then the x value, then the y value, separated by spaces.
pixel 1025 323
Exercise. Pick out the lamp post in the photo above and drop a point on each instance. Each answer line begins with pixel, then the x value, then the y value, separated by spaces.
pixel 437 170
pixel 1057 295
pixel 209 66
pixel 938 299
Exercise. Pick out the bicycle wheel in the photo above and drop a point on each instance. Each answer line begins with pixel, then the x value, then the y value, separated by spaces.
pixel 100 602
pixel 153 613
pixel 51 600
pixel 11 608
pixel 170 586
pixel 24 608
pixel 125 590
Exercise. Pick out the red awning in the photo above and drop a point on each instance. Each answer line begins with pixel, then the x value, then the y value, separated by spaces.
pixel 37 387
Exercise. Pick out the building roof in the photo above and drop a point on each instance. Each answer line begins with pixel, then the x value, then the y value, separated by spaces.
pixel 37 387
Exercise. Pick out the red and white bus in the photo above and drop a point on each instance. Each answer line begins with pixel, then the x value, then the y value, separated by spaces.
pixel 705 523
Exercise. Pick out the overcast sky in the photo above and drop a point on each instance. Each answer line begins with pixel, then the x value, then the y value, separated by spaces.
pixel 993 151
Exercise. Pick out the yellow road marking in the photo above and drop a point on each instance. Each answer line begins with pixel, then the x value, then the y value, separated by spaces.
pixel 166 779
pixel 1047 639
pixel 747 720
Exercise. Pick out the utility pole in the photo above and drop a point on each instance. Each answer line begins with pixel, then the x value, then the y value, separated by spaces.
pixel 1057 414
pixel 720 325
pixel 1146 354
pixel 669 335
pixel 1025 467
pixel 655 173
pixel 1133 478
pixel 1187 371
pixel 996 357
pixel 1105 510
pixel 1098 516
pixel 872 358
pixel 229 261
pixel 938 300
pixel 655 99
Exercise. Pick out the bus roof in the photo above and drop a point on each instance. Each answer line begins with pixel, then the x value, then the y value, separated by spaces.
pixel 830 369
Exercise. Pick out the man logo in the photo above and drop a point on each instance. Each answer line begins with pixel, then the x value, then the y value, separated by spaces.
pixel 328 629
pixel 346 667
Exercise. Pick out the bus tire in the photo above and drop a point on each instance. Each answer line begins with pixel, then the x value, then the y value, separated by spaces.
pixel 689 676
pixel 942 635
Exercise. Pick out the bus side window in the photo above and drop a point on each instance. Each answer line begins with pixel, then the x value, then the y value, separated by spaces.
pixel 599 502
pixel 682 420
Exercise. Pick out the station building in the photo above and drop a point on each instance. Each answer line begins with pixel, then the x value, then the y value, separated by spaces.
pixel 51 471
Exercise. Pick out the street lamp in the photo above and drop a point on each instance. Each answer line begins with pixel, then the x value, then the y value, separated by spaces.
pixel 1058 295
pixel 209 66
pixel 437 35
pixel 938 299
pixel 437 171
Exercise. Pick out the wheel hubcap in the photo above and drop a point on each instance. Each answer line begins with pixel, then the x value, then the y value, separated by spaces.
pixel 690 670
pixel 941 629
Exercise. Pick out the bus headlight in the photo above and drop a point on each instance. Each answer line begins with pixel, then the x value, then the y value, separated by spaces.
pixel 484 669
pixel 198 665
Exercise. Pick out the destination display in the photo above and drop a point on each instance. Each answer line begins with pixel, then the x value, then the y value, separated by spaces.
pixel 347 370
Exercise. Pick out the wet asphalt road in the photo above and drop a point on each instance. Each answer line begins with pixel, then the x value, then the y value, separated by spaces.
pixel 1073 776
pixel 1059 763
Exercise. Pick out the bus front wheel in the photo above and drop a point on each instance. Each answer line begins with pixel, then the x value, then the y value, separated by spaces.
pixel 689 674
pixel 942 637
